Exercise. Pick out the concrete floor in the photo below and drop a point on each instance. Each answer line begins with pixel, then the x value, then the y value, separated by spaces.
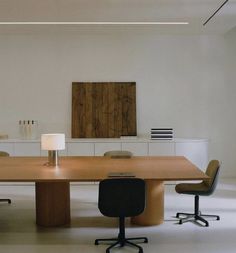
pixel 18 232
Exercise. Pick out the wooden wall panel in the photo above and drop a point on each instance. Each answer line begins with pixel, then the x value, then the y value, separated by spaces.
pixel 103 110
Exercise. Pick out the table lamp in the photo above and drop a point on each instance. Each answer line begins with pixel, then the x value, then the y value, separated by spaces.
pixel 52 143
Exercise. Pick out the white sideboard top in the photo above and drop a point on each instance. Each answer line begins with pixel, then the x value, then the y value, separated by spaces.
pixel 107 140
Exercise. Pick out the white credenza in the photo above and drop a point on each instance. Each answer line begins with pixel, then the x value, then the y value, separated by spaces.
pixel 196 150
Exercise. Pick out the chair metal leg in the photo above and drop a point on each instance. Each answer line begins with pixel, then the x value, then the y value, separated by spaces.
pixel 211 216
pixel 182 214
pixel 145 240
pixel 190 217
pixel 202 220
pixel 97 241
pixel 135 245
pixel 112 246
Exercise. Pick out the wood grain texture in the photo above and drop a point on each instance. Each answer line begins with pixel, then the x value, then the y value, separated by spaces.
pixel 52 203
pixel 95 168
pixel 103 110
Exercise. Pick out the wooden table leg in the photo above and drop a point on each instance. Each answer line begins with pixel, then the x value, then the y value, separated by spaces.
pixel 154 211
pixel 52 203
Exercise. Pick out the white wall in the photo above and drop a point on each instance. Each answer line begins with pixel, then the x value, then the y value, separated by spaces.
pixel 228 119
pixel 181 81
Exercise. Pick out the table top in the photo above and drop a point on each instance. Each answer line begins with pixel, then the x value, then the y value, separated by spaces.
pixel 92 168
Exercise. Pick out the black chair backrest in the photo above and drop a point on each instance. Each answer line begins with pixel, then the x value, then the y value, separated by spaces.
pixel 212 171
pixel 121 197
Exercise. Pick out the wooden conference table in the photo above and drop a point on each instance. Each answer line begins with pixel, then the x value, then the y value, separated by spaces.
pixel 53 190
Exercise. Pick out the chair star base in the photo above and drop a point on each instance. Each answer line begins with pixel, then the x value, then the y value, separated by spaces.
pixel 195 217
pixel 122 242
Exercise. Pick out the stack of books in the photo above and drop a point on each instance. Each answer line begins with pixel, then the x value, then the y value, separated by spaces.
pixel 161 133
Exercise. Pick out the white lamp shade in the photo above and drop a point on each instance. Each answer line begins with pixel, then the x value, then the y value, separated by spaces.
pixel 53 141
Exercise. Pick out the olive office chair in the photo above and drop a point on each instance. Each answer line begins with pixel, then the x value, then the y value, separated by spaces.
pixel 121 197
pixel 205 188
pixel 2 153
pixel 118 154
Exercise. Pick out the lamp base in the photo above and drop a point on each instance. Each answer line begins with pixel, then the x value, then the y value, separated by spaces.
pixel 53 158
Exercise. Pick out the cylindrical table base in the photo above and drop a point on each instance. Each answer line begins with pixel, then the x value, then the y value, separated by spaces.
pixel 154 210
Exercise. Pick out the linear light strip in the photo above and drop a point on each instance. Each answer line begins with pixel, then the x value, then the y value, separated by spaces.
pixel 94 23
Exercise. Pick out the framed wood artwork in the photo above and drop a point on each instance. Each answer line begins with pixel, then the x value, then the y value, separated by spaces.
pixel 103 109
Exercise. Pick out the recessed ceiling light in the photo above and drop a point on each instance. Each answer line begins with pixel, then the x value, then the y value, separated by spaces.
pixel 94 23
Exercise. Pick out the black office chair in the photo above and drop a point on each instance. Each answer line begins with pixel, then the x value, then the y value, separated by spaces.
pixel 205 188
pixel 122 197
pixel 3 153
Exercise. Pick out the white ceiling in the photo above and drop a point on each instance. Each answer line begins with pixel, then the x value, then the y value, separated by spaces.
pixel 196 12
